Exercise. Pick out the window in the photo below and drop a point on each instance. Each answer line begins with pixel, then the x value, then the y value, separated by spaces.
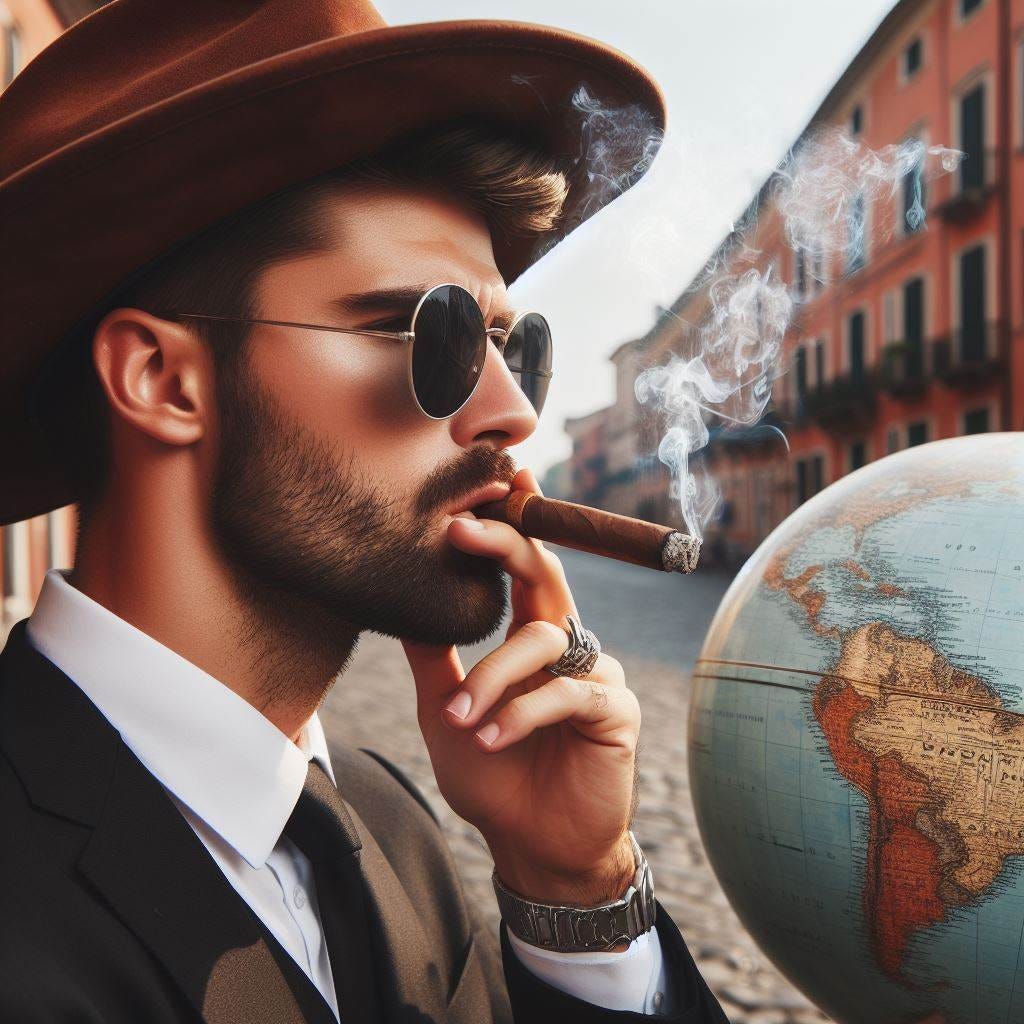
pixel 972 138
pixel 971 339
pixel 913 206
pixel 801 372
pixel 976 421
pixel 858 455
pixel 818 473
pixel 913 326
pixel 819 362
pixel 968 7
pixel 856 120
pixel 800 272
pixel 917 433
pixel 15 539
pixel 810 477
pixel 912 58
pixel 53 540
pixel 892 440
pixel 855 340
pixel 855 229
pixel 11 49
pixel 7 534
pixel 817 275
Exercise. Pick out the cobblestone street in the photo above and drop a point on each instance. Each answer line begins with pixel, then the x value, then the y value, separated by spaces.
pixel 654 624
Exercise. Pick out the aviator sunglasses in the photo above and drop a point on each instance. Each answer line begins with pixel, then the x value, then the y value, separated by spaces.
pixel 447 344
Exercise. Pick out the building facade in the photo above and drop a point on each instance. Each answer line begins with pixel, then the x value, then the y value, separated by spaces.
pixel 917 333
pixel 29 548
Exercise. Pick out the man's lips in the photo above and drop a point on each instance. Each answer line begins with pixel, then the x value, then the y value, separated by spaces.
pixel 463 506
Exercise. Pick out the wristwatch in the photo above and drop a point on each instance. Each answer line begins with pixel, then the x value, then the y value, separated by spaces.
pixel 571 929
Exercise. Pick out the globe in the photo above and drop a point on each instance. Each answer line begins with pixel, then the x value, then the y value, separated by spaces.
pixel 856 739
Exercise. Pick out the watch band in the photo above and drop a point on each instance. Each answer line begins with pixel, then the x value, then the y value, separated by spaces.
pixel 571 929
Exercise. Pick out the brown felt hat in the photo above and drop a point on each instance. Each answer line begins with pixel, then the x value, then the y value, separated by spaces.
pixel 150 120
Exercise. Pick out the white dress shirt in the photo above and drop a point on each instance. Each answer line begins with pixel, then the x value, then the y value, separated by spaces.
pixel 236 778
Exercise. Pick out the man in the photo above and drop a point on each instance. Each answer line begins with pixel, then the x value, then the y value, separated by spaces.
pixel 276 404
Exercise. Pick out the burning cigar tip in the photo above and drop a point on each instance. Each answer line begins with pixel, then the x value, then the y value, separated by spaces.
pixel 681 552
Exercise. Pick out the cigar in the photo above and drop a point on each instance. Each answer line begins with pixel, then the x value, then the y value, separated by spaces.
pixel 590 529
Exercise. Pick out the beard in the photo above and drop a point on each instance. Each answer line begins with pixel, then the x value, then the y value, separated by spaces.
pixel 302 527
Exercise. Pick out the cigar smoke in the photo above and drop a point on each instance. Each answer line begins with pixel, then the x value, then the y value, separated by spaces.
pixel 829 191
pixel 823 192
pixel 825 188
pixel 610 137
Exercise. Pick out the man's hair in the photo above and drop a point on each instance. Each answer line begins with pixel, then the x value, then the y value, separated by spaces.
pixel 519 189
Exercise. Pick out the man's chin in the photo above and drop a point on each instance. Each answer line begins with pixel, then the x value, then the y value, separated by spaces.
pixel 464 604
pixel 472 601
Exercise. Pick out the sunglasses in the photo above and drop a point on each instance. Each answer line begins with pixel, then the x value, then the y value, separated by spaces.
pixel 447 342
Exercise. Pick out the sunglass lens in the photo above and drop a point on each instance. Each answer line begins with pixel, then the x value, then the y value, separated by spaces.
pixel 449 350
pixel 528 355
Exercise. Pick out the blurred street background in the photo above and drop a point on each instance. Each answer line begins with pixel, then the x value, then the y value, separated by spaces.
pixel 654 624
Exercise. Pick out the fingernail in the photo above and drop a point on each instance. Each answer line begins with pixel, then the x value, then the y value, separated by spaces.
pixel 471 524
pixel 460 704
pixel 489 733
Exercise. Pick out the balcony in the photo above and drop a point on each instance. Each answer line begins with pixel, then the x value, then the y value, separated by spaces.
pixel 842 405
pixel 970 188
pixel 970 357
pixel 901 371
pixel 759 436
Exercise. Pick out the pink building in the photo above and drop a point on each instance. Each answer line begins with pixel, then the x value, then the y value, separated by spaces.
pixel 914 335
pixel 28 549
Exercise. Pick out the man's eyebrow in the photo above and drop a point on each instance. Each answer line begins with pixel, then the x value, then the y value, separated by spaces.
pixel 395 300
pixel 383 299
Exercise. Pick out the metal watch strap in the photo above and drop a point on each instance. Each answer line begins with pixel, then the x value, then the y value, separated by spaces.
pixel 571 929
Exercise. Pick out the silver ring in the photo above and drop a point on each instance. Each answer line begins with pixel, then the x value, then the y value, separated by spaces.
pixel 581 655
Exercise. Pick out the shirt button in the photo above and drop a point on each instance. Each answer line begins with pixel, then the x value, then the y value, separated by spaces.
pixel 299 897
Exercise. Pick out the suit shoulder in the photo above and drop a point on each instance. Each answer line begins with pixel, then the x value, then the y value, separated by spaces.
pixel 383 794
pixel 407 784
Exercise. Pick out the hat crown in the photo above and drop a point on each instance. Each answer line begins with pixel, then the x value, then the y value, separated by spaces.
pixel 131 54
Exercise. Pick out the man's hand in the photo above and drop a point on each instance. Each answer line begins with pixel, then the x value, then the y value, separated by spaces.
pixel 543 767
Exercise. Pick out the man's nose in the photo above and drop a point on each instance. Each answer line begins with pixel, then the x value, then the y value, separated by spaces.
pixel 498 411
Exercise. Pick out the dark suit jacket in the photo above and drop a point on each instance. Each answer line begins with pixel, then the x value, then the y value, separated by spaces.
pixel 113 912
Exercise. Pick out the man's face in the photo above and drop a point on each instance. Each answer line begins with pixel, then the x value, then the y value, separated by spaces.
pixel 330 485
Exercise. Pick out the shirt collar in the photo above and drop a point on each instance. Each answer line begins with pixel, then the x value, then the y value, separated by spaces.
pixel 210 747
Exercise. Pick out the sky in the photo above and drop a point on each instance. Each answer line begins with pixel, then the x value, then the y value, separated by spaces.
pixel 741 79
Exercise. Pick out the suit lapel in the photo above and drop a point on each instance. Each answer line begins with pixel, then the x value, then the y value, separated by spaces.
pixel 155 873
pixel 143 857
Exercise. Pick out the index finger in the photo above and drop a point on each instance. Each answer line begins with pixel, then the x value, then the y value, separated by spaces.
pixel 525 480
pixel 539 587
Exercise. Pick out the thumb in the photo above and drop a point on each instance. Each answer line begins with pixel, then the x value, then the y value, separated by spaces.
pixel 437 672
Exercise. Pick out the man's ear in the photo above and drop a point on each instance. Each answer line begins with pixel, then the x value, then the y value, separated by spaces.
pixel 157 374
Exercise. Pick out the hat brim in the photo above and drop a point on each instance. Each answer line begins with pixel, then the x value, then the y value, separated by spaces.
pixel 78 221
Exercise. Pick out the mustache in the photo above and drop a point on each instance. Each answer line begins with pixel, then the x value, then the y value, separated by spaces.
pixel 477 468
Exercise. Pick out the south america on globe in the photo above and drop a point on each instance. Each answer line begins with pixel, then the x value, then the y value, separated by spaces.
pixel 856 739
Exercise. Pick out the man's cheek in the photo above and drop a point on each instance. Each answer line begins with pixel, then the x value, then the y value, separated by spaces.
pixel 379 391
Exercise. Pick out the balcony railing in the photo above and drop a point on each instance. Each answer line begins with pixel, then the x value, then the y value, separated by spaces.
pixel 841 405
pixel 970 356
pixel 968 191
pixel 901 371
pixel 762 434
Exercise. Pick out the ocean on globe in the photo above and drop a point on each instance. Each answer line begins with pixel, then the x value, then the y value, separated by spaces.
pixel 856 739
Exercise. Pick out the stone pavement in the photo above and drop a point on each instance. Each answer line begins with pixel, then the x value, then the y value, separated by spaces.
pixel 653 623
